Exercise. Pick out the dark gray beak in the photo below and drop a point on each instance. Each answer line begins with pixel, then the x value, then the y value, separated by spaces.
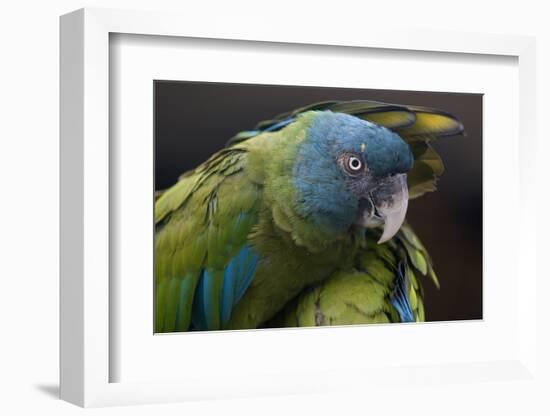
pixel 385 205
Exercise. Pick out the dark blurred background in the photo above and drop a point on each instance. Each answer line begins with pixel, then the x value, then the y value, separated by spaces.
pixel 195 119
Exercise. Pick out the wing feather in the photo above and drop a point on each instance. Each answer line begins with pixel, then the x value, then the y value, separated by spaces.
pixel 203 261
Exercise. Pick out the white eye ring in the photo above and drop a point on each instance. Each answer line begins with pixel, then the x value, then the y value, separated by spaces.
pixel 355 163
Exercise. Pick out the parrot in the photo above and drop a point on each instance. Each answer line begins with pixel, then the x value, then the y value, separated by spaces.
pixel 301 221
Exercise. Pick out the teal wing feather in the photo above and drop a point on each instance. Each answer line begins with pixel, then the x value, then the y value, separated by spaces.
pixel 418 126
pixel 382 287
pixel 203 262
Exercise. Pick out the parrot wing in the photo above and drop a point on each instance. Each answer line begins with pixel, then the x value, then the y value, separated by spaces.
pixel 383 287
pixel 203 263
pixel 416 125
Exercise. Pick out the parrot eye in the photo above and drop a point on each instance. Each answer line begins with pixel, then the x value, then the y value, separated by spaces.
pixel 352 164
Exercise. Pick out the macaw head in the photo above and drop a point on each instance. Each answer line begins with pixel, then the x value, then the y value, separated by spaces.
pixel 350 171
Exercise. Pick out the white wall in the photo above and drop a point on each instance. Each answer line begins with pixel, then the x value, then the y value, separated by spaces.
pixel 29 183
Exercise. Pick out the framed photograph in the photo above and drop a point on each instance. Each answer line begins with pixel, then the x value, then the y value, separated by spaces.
pixel 449 222
pixel 227 198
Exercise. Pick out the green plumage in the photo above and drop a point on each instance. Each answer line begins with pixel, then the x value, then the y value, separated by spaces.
pixel 306 275
pixel 195 231
pixel 361 294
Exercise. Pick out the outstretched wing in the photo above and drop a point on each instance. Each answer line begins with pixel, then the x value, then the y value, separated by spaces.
pixel 203 261
pixel 416 125
pixel 382 287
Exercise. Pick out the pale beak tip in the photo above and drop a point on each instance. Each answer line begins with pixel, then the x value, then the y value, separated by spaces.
pixel 395 215
pixel 384 239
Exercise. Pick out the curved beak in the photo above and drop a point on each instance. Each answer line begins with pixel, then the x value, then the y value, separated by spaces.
pixel 385 205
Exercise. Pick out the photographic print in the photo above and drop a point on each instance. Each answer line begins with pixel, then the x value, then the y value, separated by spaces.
pixel 296 206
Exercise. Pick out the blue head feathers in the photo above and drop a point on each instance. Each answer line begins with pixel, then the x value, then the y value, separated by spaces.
pixel 327 190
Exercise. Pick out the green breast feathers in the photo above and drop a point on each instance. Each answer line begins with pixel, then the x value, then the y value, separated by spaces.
pixel 301 222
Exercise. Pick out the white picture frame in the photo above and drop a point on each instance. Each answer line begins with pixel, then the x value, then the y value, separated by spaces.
pixel 86 353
